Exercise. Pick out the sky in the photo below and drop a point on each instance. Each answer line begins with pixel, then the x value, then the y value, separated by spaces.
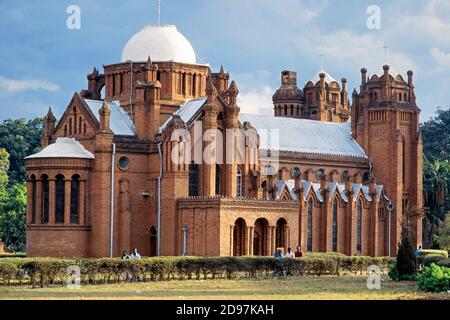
pixel 42 62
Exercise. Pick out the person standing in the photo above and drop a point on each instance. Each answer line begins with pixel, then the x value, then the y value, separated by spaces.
pixel 298 252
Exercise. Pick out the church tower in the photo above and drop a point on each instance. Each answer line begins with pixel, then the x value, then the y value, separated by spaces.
pixel 288 100
pixel 385 122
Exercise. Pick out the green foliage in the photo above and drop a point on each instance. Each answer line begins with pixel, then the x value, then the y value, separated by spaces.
pixel 45 271
pixel 4 166
pixel 406 261
pixel 20 138
pixel 435 279
pixel 425 252
pixel 13 218
pixel 436 135
pixel 442 238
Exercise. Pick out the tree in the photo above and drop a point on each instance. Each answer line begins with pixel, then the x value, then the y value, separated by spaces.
pixel 13 218
pixel 4 165
pixel 436 187
pixel 436 135
pixel 20 138
pixel 442 238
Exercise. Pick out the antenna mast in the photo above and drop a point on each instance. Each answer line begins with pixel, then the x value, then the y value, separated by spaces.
pixel 159 12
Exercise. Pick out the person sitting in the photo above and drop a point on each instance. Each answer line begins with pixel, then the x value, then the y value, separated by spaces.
pixel 298 252
pixel 125 255
pixel 135 254
pixel 279 267
pixel 289 254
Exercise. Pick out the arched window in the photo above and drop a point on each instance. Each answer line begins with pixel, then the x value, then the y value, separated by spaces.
pixel 59 205
pixel 375 96
pixel 335 225
pixel 292 110
pixel 310 225
pixel 399 97
pixel 80 125
pixel 239 182
pixel 359 226
pixel 404 97
pixel 65 131
pixel 330 116
pixel 285 110
pixel 74 199
pixel 70 126
pixel 45 199
pixel 84 129
pixel 193 179
pixel 218 180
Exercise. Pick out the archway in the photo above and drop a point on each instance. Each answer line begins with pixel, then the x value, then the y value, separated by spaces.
pixel 282 234
pixel 239 236
pixel 260 237
pixel 153 242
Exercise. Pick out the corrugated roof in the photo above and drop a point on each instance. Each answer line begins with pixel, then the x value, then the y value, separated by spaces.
pixel 187 111
pixel 308 136
pixel 64 148
pixel 120 121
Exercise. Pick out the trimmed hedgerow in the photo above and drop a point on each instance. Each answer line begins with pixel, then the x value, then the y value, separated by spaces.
pixel 47 271
pixel 435 279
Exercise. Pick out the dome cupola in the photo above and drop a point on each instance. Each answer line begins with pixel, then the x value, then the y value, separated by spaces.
pixel 163 43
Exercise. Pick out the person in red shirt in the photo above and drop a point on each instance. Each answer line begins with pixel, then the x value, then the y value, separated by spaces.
pixel 298 253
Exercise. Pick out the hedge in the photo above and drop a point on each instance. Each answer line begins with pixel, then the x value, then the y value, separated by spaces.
pixel 435 279
pixel 425 252
pixel 47 271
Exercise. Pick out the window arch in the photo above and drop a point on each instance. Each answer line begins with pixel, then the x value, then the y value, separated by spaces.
pixel 70 126
pixel 309 245
pixel 74 199
pixel 330 116
pixel 75 120
pixel 59 204
pixel 45 199
pixel 80 125
pixel 218 180
pixel 193 179
pixel 359 226
pixel 239 182
pixel 285 110
pixel 335 225
pixel 399 97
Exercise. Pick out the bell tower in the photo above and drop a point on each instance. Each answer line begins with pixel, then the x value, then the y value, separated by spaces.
pixel 385 122
pixel 288 100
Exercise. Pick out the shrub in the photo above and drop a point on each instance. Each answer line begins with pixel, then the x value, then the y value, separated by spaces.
pixel 425 252
pixel 435 279
pixel 406 261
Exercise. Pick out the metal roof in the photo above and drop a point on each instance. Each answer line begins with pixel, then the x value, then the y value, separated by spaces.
pixel 306 136
pixel 120 121
pixel 187 111
pixel 63 148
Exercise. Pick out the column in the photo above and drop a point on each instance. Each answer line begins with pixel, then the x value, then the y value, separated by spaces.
pixel 82 203
pixel 286 238
pixel 273 239
pixel 231 240
pixel 246 241
pixel 67 200
pixel 38 206
pixel 251 240
pixel 51 201
pixel 373 236
pixel 30 203
pixel 268 243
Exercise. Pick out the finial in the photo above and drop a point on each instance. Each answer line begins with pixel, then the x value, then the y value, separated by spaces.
pixel 149 61
pixel 233 88
pixel 105 109
pixel 222 71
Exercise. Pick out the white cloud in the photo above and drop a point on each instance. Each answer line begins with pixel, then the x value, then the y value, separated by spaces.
pixel 258 101
pixel 24 85
pixel 441 58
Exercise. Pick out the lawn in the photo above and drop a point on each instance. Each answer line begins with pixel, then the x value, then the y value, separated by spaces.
pixel 324 287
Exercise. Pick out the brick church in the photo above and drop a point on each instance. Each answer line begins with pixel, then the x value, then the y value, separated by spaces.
pixel 143 158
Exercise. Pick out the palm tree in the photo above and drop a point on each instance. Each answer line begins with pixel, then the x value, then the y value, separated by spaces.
pixel 436 186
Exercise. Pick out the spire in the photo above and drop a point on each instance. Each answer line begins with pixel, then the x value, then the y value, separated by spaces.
pixel 210 88
pixel 105 114
pixel 233 88
pixel 50 115
pixel 222 71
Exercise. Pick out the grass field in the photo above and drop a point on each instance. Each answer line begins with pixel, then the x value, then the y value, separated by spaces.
pixel 324 287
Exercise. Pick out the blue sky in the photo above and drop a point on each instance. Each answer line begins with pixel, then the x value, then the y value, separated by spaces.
pixel 42 63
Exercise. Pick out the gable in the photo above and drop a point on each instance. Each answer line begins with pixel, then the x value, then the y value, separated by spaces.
pixel 77 120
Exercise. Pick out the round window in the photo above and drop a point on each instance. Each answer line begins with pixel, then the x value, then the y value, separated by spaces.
pixel 295 173
pixel 124 163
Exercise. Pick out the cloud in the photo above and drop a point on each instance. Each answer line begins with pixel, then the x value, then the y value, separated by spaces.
pixel 255 95
pixel 25 85
pixel 441 58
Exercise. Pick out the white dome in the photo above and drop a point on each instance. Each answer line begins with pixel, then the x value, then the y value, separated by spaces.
pixel 160 43
pixel 328 77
